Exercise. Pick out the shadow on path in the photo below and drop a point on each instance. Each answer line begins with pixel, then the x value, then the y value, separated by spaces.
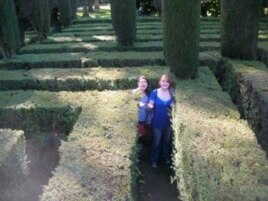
pixel 155 183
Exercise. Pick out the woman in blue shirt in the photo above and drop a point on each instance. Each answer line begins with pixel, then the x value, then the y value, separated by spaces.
pixel 160 101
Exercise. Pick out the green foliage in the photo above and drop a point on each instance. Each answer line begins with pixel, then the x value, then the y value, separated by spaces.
pixel 246 83
pixel 98 159
pixel 13 162
pixel 123 15
pixel 239 37
pixel 9 29
pixel 217 156
pixel 210 6
pixel 78 79
pixel 181 45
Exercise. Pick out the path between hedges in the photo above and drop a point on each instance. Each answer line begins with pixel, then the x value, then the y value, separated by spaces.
pixel 154 183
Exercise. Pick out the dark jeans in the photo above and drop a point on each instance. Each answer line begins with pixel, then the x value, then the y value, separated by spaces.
pixel 161 142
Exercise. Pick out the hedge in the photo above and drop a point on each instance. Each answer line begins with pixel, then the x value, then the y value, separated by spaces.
pixel 246 82
pixel 13 163
pixel 95 59
pixel 78 79
pixel 98 159
pixel 216 155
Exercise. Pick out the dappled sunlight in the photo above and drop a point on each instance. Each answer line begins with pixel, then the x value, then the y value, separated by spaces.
pixel 64 39
pixel 98 153
pixel 263 36
pixel 103 13
pixel 105 37
pixel 201 103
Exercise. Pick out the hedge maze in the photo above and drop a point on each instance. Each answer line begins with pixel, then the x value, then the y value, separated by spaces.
pixel 74 91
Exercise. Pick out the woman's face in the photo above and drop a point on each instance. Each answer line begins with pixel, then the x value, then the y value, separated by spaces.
pixel 143 84
pixel 164 83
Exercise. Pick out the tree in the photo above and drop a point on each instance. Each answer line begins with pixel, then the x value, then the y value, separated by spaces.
pixel 239 28
pixel 181 27
pixel 65 12
pixel 158 6
pixel 123 14
pixel 35 14
pixel 88 7
pixel 40 18
pixel 90 4
pixel 85 10
pixel 73 8
pixel 97 4
pixel 9 29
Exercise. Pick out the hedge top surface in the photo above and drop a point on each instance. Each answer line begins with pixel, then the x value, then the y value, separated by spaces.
pixel 221 159
pixel 96 160
pixel 263 45
pixel 8 139
pixel 85 73
pixel 32 99
pixel 254 72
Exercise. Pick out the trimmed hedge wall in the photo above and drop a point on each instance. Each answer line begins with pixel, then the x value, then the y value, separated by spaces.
pixel 78 79
pixel 32 118
pixel 105 46
pixel 216 155
pixel 13 163
pixel 98 161
pixel 246 82
pixel 95 59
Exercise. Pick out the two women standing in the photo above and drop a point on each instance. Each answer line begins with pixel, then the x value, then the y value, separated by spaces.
pixel 160 103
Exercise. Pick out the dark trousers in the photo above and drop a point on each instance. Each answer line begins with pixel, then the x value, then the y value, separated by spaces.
pixel 161 142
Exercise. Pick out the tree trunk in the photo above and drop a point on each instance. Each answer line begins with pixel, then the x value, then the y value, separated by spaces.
pixel 90 4
pixel 158 6
pixel 40 18
pixel 85 10
pixel 97 4
pixel 73 8
pixel 9 29
pixel 124 21
pixel 181 27
pixel 65 12
pixel 239 28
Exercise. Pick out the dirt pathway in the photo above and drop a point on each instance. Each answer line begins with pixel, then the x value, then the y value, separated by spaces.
pixel 155 183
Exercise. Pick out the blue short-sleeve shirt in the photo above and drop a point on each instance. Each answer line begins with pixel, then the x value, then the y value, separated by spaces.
pixel 161 111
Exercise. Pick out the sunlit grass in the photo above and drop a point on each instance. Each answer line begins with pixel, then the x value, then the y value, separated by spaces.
pixel 103 13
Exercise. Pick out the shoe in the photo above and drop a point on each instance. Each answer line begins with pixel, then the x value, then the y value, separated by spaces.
pixel 154 165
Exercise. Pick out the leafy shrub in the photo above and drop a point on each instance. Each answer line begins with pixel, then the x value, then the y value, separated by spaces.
pixel 210 6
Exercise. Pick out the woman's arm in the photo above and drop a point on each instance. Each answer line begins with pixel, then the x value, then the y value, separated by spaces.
pixel 152 99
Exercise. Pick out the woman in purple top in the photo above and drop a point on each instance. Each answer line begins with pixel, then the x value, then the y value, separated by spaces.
pixel 160 101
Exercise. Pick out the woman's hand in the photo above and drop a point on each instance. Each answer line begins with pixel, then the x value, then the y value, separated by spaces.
pixel 141 104
pixel 150 105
